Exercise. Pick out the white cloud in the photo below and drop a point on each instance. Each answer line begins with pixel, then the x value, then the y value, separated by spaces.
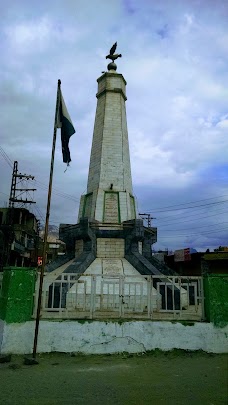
pixel 28 36
pixel 223 124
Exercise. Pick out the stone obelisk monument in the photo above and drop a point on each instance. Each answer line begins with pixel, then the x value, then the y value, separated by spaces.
pixel 108 225
pixel 109 241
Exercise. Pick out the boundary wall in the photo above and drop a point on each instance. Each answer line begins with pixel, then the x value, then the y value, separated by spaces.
pixel 99 337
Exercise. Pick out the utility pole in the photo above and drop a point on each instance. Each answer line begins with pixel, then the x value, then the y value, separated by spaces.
pixel 148 217
pixel 17 192
pixel 17 178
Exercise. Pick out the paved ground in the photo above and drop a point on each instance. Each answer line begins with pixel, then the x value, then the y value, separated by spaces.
pixel 167 378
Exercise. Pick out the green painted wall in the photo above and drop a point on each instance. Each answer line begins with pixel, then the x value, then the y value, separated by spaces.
pixel 216 299
pixel 16 296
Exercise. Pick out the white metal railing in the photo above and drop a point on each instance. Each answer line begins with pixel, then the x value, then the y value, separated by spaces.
pixel 122 296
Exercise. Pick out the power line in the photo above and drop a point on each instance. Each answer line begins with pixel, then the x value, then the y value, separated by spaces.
pixel 40 184
pixel 4 194
pixel 57 192
pixel 194 212
pixel 6 157
pixel 194 234
pixel 195 206
pixel 197 227
pixel 179 217
pixel 37 210
pixel 190 202
pixel 196 218
pixel 40 213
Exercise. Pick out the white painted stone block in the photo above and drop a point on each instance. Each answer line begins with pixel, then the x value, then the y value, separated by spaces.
pixel 110 247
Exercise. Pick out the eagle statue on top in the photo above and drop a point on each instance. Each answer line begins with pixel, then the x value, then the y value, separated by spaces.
pixel 113 56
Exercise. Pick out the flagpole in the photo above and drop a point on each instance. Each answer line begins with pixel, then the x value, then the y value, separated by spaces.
pixel 46 223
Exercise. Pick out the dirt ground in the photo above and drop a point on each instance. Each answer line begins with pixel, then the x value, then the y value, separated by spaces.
pixel 175 377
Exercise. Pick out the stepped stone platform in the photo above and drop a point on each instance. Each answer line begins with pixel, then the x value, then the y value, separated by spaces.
pixel 130 240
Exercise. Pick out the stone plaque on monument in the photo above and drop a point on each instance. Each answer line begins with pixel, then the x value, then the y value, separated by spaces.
pixel 112 266
pixel 111 207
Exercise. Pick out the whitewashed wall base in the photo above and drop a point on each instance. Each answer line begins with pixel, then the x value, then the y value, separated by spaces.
pixel 111 337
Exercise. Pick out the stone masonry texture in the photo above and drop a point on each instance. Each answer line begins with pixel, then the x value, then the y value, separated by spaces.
pixel 110 167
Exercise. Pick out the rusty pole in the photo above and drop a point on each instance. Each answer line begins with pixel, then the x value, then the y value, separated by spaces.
pixel 46 223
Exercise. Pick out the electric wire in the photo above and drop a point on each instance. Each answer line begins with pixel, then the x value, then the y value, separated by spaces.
pixel 57 192
pixel 6 157
pixel 4 194
pixel 174 222
pixel 190 202
pixel 186 208
pixel 180 218
pixel 39 184
pixel 193 234
pixel 197 227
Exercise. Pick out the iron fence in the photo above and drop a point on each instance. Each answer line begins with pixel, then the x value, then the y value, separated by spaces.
pixel 123 296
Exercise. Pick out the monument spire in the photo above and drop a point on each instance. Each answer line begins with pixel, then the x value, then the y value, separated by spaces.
pixel 109 195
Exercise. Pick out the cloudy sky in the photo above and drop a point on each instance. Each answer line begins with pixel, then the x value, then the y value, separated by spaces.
pixel 175 63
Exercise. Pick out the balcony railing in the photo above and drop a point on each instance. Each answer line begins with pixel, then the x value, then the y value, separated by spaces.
pixel 18 246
